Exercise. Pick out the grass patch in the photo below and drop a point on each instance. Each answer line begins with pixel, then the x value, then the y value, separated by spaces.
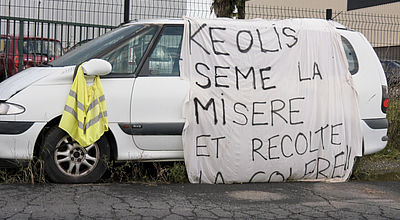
pixel 377 176
pixel 376 168
pixel 32 173
pixel 382 166
pixel 150 172
pixel 121 172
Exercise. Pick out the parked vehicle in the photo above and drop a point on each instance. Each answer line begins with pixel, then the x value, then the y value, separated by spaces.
pixel 27 52
pixel 144 97
pixel 392 71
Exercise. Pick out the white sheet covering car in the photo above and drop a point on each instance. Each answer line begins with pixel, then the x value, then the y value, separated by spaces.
pixel 144 95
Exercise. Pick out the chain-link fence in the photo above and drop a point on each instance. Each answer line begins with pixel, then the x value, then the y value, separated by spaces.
pixel 147 9
pixel 31 42
pixel 382 31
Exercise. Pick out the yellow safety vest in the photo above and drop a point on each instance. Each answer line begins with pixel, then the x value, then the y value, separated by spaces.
pixel 85 112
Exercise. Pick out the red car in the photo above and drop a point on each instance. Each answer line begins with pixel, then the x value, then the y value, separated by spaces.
pixel 35 51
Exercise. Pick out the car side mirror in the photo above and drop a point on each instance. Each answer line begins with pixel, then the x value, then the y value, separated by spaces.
pixel 96 67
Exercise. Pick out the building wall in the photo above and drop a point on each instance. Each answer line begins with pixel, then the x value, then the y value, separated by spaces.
pixel 340 5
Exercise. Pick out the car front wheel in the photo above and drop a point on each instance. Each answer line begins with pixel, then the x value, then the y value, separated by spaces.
pixel 65 161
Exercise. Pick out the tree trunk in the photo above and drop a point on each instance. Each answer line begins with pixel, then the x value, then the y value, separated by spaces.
pixel 223 8
pixel 241 4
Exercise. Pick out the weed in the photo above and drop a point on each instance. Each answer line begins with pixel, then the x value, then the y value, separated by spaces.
pixel 157 172
pixel 32 173
pixel 393 116
pixel 177 173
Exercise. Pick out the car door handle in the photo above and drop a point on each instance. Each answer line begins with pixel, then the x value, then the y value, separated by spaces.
pixel 152 128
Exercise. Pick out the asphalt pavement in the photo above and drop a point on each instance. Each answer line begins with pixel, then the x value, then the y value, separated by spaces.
pixel 296 200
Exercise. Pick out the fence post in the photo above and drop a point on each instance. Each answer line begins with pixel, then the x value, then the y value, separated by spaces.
pixel 329 14
pixel 21 46
pixel 126 11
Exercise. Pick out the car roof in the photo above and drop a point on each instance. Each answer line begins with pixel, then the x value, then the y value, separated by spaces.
pixel 156 21
pixel 180 21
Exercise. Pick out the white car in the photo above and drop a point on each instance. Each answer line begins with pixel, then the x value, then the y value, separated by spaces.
pixel 144 96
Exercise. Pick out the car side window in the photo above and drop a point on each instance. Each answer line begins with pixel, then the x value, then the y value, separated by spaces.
pixel 164 59
pixel 126 57
pixel 351 56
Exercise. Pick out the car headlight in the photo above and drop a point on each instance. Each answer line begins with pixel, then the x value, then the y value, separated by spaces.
pixel 10 109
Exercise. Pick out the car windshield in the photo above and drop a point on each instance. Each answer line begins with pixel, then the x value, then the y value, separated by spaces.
pixel 42 47
pixel 98 46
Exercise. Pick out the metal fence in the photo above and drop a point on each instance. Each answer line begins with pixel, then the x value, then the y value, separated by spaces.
pixel 104 12
pixel 31 42
pixel 71 22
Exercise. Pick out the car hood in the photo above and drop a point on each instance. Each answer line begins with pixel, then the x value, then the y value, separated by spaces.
pixel 20 81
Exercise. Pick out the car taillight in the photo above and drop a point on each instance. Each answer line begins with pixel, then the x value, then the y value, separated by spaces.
pixel 16 60
pixel 385 99
pixel 16 64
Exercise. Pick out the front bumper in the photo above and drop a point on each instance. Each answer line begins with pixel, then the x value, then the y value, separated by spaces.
pixel 14 127
pixel 17 139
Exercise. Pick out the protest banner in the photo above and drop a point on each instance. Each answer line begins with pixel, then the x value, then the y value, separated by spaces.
pixel 269 101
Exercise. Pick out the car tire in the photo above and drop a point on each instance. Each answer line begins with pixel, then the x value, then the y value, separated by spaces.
pixel 65 161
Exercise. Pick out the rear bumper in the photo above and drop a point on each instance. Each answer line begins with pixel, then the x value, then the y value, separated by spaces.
pixel 374 134
pixel 377 123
